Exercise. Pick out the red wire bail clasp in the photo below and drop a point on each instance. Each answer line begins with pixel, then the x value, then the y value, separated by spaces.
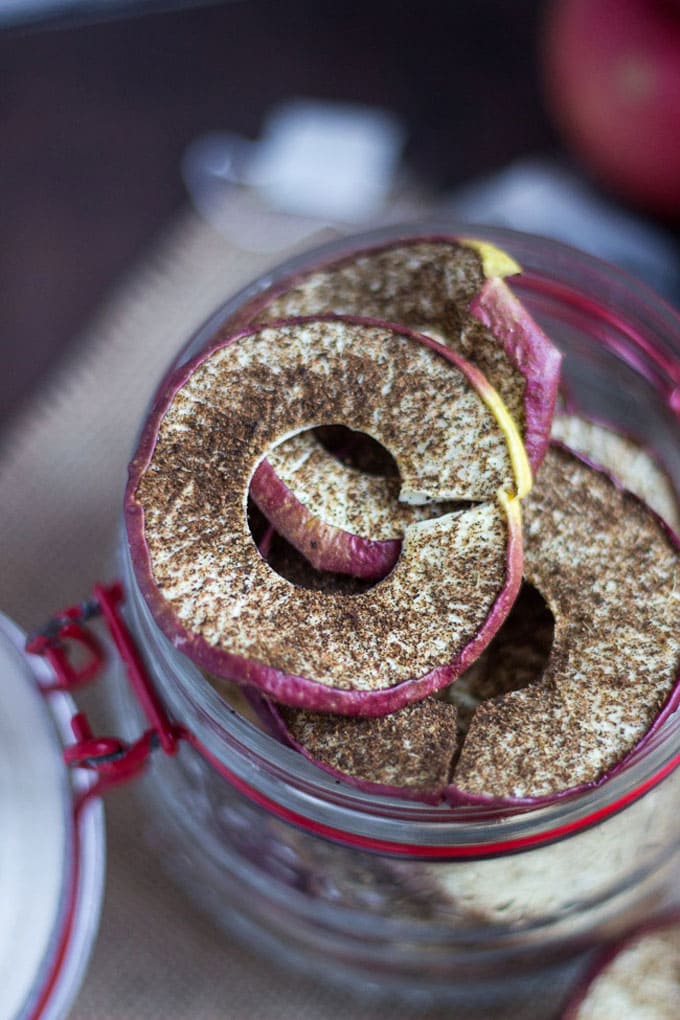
pixel 113 759
pixel 64 635
pixel 67 635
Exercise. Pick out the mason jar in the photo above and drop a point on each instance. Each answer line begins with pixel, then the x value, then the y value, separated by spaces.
pixel 470 904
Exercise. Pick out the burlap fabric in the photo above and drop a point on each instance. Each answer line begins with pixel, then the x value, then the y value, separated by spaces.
pixel 62 470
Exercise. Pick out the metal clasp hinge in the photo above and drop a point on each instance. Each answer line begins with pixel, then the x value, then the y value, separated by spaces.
pixel 65 635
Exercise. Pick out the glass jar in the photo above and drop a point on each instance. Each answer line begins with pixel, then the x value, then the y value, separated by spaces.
pixel 465 903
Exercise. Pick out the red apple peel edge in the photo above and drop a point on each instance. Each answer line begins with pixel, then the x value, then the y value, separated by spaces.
pixel 653 926
pixel 529 349
pixel 326 547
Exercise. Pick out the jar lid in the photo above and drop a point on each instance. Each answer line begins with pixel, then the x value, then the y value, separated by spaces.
pixel 51 843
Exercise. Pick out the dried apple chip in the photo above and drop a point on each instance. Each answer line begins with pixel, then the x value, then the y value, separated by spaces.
pixel 215 596
pixel 638 977
pixel 405 754
pixel 452 286
pixel 609 569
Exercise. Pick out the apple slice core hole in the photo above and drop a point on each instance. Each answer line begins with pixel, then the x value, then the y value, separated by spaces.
pixel 357 451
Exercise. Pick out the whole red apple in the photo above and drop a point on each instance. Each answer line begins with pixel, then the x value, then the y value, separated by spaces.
pixel 611 70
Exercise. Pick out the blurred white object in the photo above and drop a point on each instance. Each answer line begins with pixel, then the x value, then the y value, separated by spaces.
pixel 317 164
pixel 542 197
pixel 327 160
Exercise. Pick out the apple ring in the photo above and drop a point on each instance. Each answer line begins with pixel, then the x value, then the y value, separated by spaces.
pixel 609 570
pixel 217 599
pixel 453 286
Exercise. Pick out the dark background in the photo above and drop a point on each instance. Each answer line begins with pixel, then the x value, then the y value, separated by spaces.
pixel 95 115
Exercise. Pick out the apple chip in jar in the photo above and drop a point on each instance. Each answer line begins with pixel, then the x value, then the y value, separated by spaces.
pixel 449 287
pixel 212 592
pixel 609 569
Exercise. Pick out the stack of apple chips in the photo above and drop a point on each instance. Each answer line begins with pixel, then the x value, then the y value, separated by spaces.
pixel 349 505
